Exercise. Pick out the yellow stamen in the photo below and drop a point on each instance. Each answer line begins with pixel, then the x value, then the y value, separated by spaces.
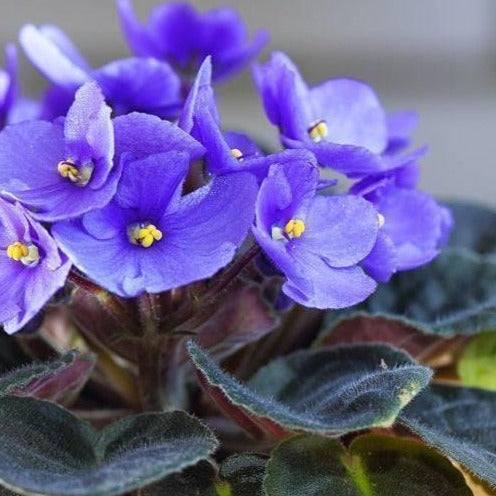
pixel 237 153
pixel 27 254
pixel 294 228
pixel 145 235
pixel 318 131
pixel 77 175
pixel 381 219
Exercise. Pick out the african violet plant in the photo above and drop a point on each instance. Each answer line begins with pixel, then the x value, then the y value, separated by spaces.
pixel 197 316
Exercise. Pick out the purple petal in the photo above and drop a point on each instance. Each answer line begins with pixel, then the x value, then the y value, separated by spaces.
pixel 25 290
pixel 354 161
pixel 201 86
pixel 382 261
pixel 8 84
pixel 154 184
pixel 288 188
pixel 89 133
pixel 64 200
pixel 413 221
pixel 113 262
pixel 141 135
pixel 243 143
pixel 134 32
pixel 342 229
pixel 400 126
pixel 202 237
pixel 50 59
pixel 285 96
pixel 65 45
pixel 29 154
pixel 352 113
pixel 140 84
pixel 314 283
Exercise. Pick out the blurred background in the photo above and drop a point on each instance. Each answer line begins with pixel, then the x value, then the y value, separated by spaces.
pixel 435 56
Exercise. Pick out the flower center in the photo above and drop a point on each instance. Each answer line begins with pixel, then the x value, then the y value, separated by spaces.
pixel 293 229
pixel 318 130
pixel 144 234
pixel 77 175
pixel 237 153
pixel 29 255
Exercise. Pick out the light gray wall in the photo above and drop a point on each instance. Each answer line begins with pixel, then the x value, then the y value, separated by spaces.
pixel 437 56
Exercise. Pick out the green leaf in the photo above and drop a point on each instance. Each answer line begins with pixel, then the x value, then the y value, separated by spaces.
pixel 59 380
pixel 460 422
pixel 476 364
pixel 46 450
pixel 330 392
pixel 455 294
pixel 372 466
pixel 193 481
pixel 475 227
pixel 242 475
pixel 238 475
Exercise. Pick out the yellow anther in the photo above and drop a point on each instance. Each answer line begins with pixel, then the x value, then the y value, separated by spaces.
pixel 294 228
pixel 27 254
pixel 237 153
pixel 381 219
pixel 318 131
pixel 145 235
pixel 80 176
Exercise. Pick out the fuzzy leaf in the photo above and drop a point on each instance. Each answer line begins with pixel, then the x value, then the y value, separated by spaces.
pixel 242 475
pixel 198 480
pixel 59 380
pixel 454 295
pixel 475 227
pixel 46 450
pixel 460 422
pixel 330 392
pixel 372 466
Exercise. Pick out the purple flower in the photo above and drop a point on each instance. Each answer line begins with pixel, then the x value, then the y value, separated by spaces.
pixel 62 171
pixel 8 84
pixel 226 151
pixel 31 267
pixel 178 34
pixel 134 84
pixel 414 227
pixel 150 237
pixel 400 126
pixel 341 121
pixel 315 241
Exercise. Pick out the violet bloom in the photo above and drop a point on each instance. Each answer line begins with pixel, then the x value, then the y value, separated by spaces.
pixel 31 267
pixel 315 241
pixel 177 33
pixel 62 171
pixel 134 84
pixel 8 85
pixel 226 151
pixel 150 237
pixel 414 227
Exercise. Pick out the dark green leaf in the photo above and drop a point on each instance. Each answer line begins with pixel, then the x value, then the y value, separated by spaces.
pixel 475 227
pixel 455 294
pixel 59 380
pixel 242 475
pixel 331 391
pixel 459 421
pixel 372 466
pixel 47 450
pixel 193 481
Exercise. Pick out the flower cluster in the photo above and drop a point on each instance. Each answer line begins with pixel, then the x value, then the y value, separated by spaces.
pixel 126 174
